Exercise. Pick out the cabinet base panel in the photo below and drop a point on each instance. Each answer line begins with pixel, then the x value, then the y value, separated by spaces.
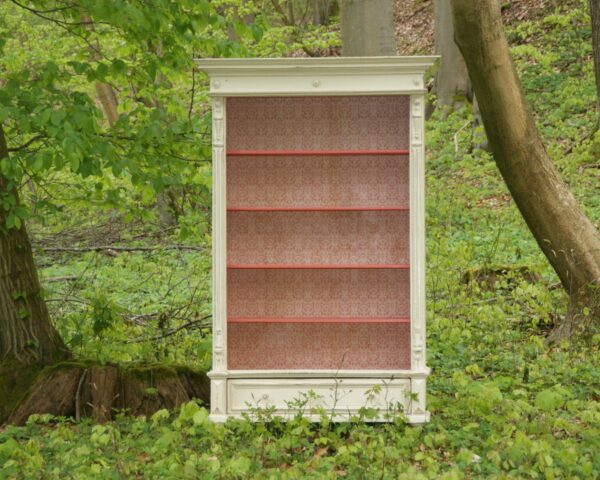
pixel 339 398
pixel 339 417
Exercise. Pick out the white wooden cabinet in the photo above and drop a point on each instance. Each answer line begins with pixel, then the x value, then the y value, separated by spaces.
pixel 318 235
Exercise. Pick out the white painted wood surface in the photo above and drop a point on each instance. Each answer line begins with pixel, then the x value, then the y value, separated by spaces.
pixel 417 251
pixel 233 391
pixel 316 76
pixel 331 395
pixel 218 375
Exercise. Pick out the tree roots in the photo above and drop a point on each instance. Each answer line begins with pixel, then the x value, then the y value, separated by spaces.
pixel 76 389
pixel 583 316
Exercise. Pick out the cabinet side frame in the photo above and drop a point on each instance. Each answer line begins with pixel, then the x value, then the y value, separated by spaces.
pixel 218 374
pixel 417 407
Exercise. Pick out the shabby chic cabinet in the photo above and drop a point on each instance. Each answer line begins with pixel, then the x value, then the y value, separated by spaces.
pixel 318 235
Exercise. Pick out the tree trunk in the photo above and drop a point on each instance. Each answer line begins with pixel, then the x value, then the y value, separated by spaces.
pixel 78 389
pixel 595 15
pixel 367 28
pixel 316 8
pixel 566 236
pixel 248 19
pixel 108 100
pixel 104 92
pixel 452 80
pixel 26 332
pixel 321 11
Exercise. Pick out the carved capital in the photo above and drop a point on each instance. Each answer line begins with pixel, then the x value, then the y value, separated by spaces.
pixel 218 136
pixel 218 107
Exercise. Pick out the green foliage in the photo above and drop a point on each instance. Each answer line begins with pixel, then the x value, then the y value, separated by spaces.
pixel 503 403
pixel 518 439
pixel 144 51
pixel 285 40
pixel 119 308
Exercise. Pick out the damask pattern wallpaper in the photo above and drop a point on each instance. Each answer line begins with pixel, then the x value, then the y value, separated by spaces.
pixel 324 213
pixel 321 181
pixel 318 237
pixel 360 346
pixel 336 293
pixel 318 123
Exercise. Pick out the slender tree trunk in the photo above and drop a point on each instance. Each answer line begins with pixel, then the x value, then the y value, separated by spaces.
pixel 595 15
pixel 452 79
pixel 316 8
pixel 367 28
pixel 26 332
pixel 166 201
pixel 104 92
pixel 452 83
pixel 108 100
pixel 247 19
pixel 321 11
pixel 566 236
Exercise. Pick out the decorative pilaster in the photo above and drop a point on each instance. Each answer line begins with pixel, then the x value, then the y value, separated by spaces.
pixel 218 400
pixel 417 255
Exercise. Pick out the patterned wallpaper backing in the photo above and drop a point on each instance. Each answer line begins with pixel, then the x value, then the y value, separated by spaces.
pixel 274 346
pixel 318 237
pixel 318 123
pixel 356 181
pixel 348 237
pixel 318 293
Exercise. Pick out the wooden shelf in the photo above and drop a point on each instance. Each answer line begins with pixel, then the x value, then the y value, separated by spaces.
pixel 398 208
pixel 261 266
pixel 318 320
pixel 279 153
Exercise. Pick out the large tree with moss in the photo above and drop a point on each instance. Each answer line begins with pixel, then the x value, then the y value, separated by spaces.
pixel 128 58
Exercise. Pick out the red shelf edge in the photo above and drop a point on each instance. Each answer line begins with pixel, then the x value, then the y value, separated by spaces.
pixel 318 209
pixel 260 266
pixel 318 320
pixel 276 153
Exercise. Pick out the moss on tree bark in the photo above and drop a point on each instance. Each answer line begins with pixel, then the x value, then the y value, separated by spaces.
pixel 37 374
pixel 86 389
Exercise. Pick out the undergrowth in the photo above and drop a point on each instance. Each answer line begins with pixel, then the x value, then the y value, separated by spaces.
pixel 503 403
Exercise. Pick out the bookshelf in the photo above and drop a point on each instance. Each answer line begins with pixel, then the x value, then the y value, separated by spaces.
pixel 318 233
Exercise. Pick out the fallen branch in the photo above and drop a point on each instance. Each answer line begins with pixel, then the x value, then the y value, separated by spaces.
pixel 113 248
pixel 587 136
pixel 140 318
pixel 66 278
pixel 67 300
pixel 193 323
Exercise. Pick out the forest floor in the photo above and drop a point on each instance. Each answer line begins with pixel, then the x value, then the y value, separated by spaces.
pixel 414 21
pixel 503 403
